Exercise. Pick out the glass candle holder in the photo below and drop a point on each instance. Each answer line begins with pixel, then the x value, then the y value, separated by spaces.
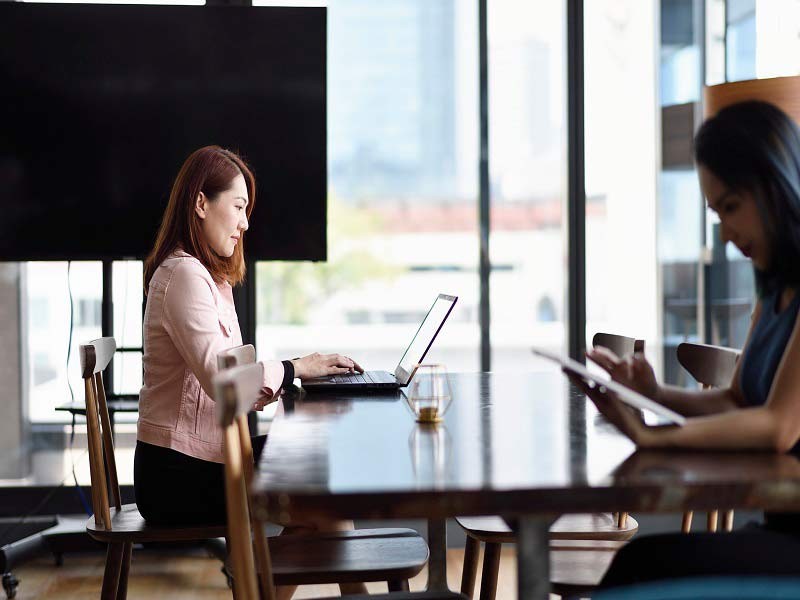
pixel 429 396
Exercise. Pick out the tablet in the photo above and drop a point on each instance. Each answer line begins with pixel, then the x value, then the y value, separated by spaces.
pixel 623 392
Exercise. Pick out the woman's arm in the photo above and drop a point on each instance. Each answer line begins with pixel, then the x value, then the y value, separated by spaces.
pixel 695 403
pixel 191 319
pixel 636 373
pixel 774 426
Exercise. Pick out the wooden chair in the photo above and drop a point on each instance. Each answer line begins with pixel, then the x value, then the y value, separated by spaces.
pixel 391 555
pixel 711 366
pixel 255 573
pixel 116 524
pixel 581 546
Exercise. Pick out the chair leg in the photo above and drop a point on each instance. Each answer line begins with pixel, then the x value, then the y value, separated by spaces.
pixel 470 571
pixel 491 569
pixel 112 571
pixel 727 520
pixel 125 567
pixel 398 585
pixel 712 520
pixel 686 525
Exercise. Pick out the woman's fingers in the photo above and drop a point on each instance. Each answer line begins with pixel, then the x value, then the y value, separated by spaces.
pixel 340 362
pixel 579 382
pixel 320 365
pixel 604 357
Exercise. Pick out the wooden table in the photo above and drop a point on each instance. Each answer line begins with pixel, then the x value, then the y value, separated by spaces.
pixel 523 446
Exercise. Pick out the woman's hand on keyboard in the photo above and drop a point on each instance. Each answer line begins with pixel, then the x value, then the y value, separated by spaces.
pixel 320 365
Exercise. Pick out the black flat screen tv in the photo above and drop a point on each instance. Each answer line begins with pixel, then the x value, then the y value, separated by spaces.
pixel 101 105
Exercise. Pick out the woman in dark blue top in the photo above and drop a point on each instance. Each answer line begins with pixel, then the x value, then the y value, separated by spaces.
pixel 748 162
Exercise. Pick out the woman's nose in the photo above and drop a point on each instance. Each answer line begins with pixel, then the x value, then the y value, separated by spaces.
pixel 243 224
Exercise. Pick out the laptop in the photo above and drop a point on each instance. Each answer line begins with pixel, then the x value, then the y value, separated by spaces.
pixel 404 372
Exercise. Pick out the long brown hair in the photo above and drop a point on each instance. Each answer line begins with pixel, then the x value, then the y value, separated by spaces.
pixel 210 170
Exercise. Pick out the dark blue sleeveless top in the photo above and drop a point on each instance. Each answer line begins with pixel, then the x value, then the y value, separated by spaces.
pixel 766 346
pixel 760 361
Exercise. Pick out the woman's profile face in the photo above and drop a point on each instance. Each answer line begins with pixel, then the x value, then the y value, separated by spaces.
pixel 223 219
pixel 740 220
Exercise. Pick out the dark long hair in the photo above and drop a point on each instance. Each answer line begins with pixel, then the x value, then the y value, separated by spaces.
pixel 210 170
pixel 755 147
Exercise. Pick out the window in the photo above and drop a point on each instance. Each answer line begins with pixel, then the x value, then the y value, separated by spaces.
pixel 402 217
pixel 53 372
pixel 52 379
pixel 527 146
pixel 621 174
pixel 707 288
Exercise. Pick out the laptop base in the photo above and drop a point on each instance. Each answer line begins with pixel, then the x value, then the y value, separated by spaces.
pixel 369 380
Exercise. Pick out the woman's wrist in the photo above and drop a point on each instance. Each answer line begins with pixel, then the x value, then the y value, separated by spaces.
pixel 288 373
pixel 296 364
pixel 646 438
pixel 658 394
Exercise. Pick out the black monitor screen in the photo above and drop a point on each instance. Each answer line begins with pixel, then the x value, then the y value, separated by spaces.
pixel 102 104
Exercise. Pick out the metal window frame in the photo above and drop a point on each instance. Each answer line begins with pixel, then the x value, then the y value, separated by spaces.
pixel 576 183
pixel 576 199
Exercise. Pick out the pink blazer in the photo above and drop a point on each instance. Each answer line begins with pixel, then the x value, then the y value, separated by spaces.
pixel 187 321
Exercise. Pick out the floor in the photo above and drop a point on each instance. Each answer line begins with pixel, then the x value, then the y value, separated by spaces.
pixel 192 575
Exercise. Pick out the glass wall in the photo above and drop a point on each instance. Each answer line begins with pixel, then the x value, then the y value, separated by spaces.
pixel 680 205
pixel 763 40
pixel 402 195
pixel 708 291
pixel 53 373
pixel 527 146
pixel 53 290
pixel 621 149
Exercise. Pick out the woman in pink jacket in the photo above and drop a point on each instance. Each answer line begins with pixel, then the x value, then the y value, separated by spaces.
pixel 190 317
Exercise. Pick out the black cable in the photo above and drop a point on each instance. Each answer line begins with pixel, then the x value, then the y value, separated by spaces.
pixel 81 495
pixel 86 506
pixel 6 533
pixel 71 324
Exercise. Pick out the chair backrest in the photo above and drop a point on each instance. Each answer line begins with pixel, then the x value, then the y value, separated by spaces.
pixel 235 390
pixel 238 355
pixel 94 357
pixel 621 346
pixel 711 366
pixel 618 344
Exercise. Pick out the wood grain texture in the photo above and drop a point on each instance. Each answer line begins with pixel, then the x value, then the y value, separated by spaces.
pixel 128 524
pixel 195 576
pixel 709 365
pixel 784 92
pixel 510 445
pixel 588 526
pixel 95 356
pixel 347 556
pixel 576 567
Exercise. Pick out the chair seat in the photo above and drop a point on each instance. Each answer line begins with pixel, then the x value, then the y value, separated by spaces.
pixel 404 596
pixel 593 526
pixel 336 557
pixel 347 556
pixel 577 566
pixel 128 525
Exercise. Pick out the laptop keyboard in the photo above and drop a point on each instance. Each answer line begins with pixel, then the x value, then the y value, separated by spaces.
pixel 364 377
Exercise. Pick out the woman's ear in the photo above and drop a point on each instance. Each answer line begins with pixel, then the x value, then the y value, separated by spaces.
pixel 200 205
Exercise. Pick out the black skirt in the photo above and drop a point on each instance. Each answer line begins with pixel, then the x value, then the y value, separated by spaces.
pixel 173 488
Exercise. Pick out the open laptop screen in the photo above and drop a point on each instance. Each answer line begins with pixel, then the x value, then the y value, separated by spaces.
pixel 424 337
